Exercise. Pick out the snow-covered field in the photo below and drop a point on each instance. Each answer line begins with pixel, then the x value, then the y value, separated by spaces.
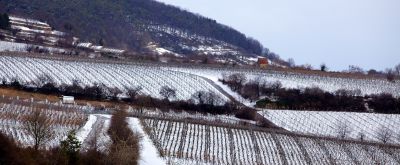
pixel 97 127
pixel 188 143
pixel 65 119
pixel 297 80
pixel 168 142
pixel 61 118
pixel 334 124
pixel 22 47
pixel 150 78
pixel 182 115
pixel 12 46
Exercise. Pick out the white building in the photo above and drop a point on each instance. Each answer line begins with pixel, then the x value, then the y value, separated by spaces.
pixel 68 99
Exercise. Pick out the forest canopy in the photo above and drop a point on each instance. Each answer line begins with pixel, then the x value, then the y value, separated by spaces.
pixel 117 22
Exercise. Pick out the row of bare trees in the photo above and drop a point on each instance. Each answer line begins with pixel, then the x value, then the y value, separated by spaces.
pixel 200 101
pixel 273 95
pixel 389 73
pixel 383 133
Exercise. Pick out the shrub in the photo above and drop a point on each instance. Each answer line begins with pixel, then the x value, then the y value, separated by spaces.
pixel 125 143
pixel 246 113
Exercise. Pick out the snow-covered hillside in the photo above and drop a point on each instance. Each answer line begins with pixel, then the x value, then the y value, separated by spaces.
pixel 184 142
pixel 187 41
pixel 150 78
pixel 370 127
pixel 298 80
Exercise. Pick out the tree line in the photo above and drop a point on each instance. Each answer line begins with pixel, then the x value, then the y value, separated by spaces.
pixel 391 74
pixel 93 21
pixel 273 95
pixel 204 102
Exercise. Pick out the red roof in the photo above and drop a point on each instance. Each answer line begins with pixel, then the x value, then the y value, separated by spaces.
pixel 262 61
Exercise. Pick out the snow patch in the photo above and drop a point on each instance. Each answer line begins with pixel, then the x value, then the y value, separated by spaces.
pixel 149 154
pixel 82 133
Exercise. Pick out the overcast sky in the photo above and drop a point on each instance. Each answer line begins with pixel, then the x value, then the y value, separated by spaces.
pixel 336 32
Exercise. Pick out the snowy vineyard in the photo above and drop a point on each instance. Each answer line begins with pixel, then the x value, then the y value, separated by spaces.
pixel 96 128
pixel 187 143
pixel 370 127
pixel 183 115
pixel 150 78
pixel 298 80
pixel 13 116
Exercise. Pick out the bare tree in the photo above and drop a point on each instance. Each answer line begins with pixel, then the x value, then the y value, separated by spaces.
pixel 373 72
pixel 235 81
pixel 3 81
pixel 361 136
pixel 384 134
pixel 124 153
pixel 43 79
pixel 211 98
pixel 168 92
pixel 251 90
pixel 198 97
pixel 203 97
pixel 133 93
pixel 114 92
pixel 30 48
pixel 37 125
pixel 390 75
pixel 355 69
pixel 397 69
pixel 125 146
pixel 343 129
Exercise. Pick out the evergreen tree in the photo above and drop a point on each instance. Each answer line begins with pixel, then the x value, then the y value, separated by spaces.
pixel 70 147
pixel 4 21
pixel 324 68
